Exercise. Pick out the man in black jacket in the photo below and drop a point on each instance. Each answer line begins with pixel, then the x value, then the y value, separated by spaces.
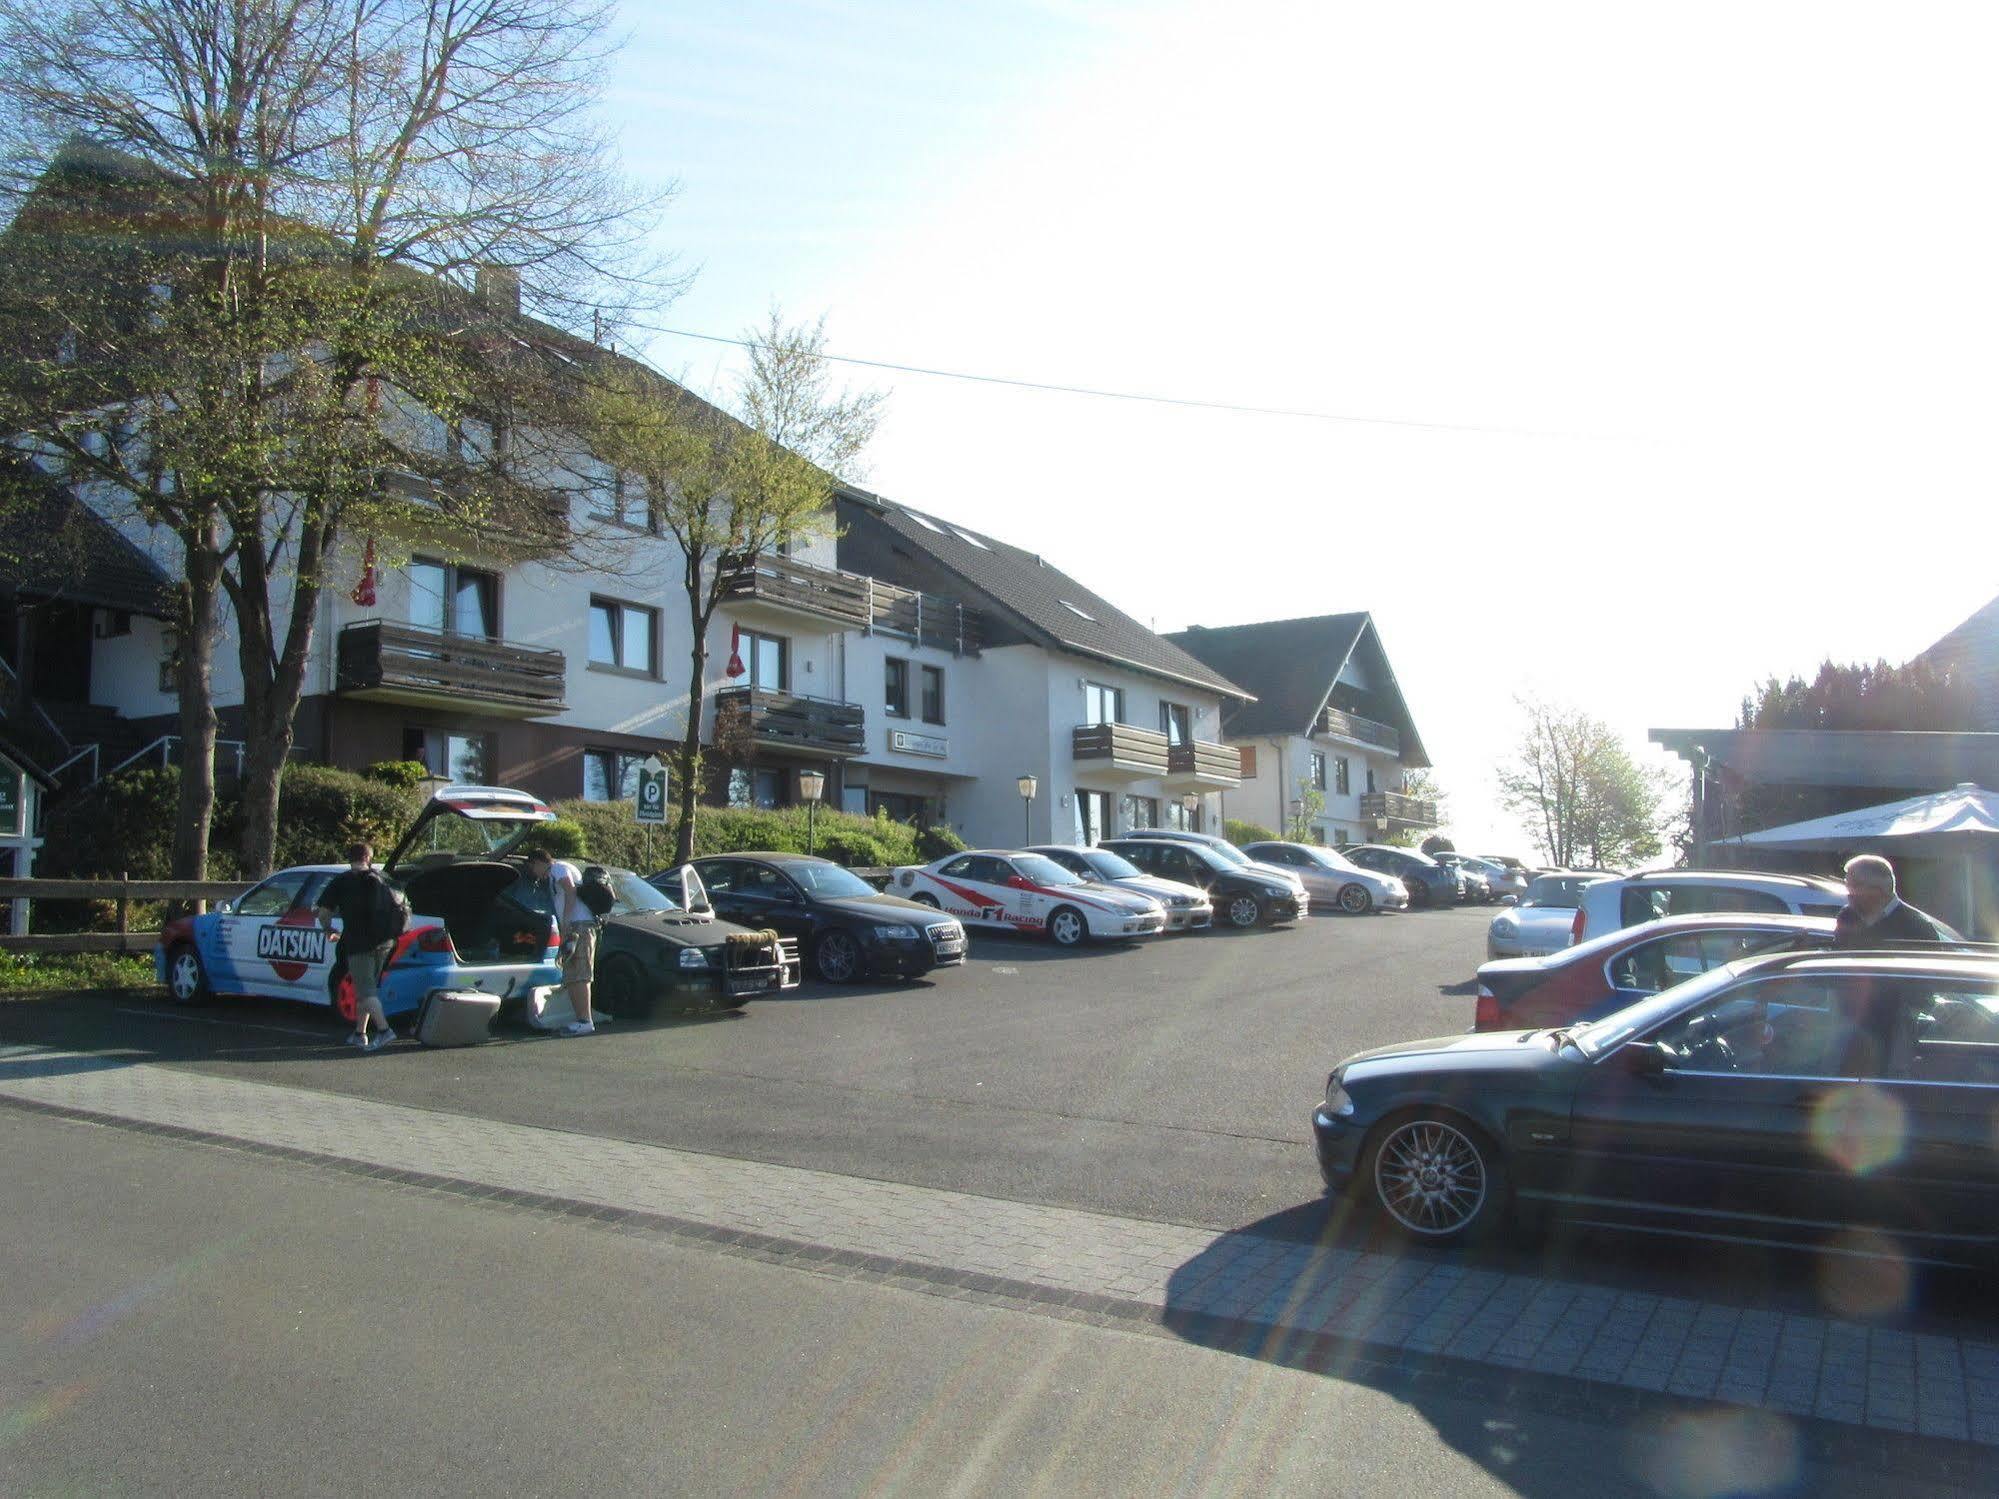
pixel 1874 915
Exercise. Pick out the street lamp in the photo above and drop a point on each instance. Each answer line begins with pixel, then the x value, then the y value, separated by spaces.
pixel 1026 785
pixel 811 786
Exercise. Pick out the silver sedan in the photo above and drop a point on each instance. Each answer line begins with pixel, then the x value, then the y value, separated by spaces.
pixel 1542 921
pixel 1332 881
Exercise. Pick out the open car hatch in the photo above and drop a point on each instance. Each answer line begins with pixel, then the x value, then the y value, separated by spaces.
pixel 468 822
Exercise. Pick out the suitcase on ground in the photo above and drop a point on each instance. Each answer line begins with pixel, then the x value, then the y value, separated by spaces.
pixel 456 1017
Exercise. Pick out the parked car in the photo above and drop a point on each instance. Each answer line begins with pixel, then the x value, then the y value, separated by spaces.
pixel 663 944
pixel 465 930
pixel 1188 908
pixel 1619 968
pixel 1502 881
pixel 1244 894
pixel 1221 847
pixel 1427 881
pixel 1025 892
pixel 1331 880
pixel 1799 1097
pixel 1610 904
pixel 1507 861
pixel 1542 920
pixel 1474 884
pixel 845 926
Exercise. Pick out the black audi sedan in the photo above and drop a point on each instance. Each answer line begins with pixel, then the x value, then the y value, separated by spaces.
pixel 1848 1100
pixel 847 928
pixel 1243 896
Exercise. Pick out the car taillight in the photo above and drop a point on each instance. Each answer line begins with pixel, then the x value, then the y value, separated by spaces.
pixel 1576 928
pixel 1485 1015
pixel 435 939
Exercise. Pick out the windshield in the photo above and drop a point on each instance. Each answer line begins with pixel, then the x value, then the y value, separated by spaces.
pixel 1043 871
pixel 1594 1038
pixel 634 895
pixel 1552 891
pixel 1229 852
pixel 1106 865
pixel 1325 858
pixel 829 881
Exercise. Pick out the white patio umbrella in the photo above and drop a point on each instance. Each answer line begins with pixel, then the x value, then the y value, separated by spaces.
pixel 1945 824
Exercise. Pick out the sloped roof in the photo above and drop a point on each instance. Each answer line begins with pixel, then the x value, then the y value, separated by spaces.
pixel 1047 603
pixel 54 545
pixel 1292 665
pixel 1971 652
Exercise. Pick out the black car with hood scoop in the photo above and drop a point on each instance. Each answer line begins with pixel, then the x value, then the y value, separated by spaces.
pixel 848 928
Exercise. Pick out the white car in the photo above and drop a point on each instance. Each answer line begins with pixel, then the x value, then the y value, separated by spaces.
pixel 1188 908
pixel 1610 905
pixel 1333 880
pixel 1544 918
pixel 1026 892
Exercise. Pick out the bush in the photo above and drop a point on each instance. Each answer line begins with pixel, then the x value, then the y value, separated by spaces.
pixel 1239 832
pixel 936 841
pixel 31 973
pixel 563 839
pixel 321 810
pixel 122 825
pixel 404 775
pixel 614 838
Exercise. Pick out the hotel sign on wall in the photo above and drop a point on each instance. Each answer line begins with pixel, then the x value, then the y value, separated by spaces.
pixel 918 744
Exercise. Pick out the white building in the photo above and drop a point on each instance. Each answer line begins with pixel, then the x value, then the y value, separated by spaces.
pixel 1327 716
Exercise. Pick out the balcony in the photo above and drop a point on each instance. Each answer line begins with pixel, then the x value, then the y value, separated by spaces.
pixel 1397 811
pixel 753 718
pixel 1200 766
pixel 780 592
pixel 379 661
pixel 1121 751
pixel 1338 724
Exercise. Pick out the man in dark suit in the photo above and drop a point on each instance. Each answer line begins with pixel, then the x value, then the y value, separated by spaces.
pixel 1874 915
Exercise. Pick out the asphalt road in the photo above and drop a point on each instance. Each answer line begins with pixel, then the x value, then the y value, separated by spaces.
pixel 1171 1081
pixel 195 1321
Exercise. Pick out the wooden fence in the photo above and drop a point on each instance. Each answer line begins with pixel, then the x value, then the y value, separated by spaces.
pixel 194 894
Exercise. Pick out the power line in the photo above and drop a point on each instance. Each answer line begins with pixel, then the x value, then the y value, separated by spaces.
pixel 1054 388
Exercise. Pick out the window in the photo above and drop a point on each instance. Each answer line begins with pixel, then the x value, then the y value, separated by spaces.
pixel 1786 1027
pixel 896 688
pixel 1954 1031
pixel 763 789
pixel 1247 752
pixel 272 898
pixel 454 600
pixel 933 694
pixel 1102 704
pixel 1141 812
pixel 1663 962
pixel 1180 819
pixel 1093 816
pixel 1078 612
pixel 1370 780
pixel 621 501
pixel 1342 777
pixel 766 658
pixel 624 636
pixel 1318 770
pixel 1176 722
pixel 611 775
pixel 465 758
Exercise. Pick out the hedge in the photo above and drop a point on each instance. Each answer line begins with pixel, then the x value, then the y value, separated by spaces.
pixel 1239 832
pixel 612 837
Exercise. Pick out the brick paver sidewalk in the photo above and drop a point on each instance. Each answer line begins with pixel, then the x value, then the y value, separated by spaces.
pixel 1801 1365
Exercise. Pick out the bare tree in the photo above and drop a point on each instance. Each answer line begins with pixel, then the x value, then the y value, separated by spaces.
pixel 301 158
pixel 1579 790
pixel 727 488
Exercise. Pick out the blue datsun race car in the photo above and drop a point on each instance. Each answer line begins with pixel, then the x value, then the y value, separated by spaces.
pixel 466 930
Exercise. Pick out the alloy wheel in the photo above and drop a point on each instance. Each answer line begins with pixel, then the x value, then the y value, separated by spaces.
pixel 1355 900
pixel 184 979
pixel 1244 911
pixel 1066 927
pixel 837 958
pixel 1431 1178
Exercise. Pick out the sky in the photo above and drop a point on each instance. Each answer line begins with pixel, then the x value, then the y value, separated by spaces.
pixel 1652 349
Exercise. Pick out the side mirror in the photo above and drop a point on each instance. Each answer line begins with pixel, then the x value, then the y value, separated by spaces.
pixel 1509 900
pixel 224 907
pixel 1645 1058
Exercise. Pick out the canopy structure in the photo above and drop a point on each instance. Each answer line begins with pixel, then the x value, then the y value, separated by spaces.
pixel 1961 823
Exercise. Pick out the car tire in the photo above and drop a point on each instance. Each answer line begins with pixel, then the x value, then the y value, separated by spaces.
pixel 1355 900
pixel 187 980
pixel 837 958
pixel 1419 896
pixel 1067 928
pixel 619 986
pixel 1436 1177
pixel 925 898
pixel 1242 912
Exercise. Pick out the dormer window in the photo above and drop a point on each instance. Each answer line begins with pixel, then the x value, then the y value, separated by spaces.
pixel 1080 614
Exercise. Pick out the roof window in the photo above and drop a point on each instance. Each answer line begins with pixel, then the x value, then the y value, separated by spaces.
pixel 966 536
pixel 1078 612
pixel 926 522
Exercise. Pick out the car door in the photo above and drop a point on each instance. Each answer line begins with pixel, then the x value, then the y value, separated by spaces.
pixel 1919 1145
pixel 1723 1136
pixel 742 890
pixel 972 888
pixel 273 945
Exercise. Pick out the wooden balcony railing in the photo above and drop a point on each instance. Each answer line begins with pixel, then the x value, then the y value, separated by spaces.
pixel 377 658
pixel 1364 730
pixel 788 720
pixel 1121 746
pixel 854 601
pixel 1398 810
pixel 1218 765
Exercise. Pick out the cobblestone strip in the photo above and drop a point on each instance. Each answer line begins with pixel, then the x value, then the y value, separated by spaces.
pixel 1808 1366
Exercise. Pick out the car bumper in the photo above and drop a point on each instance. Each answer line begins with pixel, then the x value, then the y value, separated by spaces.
pixel 1190 919
pixel 1399 901
pixel 1287 907
pixel 1337 1141
pixel 1137 926
pixel 911 960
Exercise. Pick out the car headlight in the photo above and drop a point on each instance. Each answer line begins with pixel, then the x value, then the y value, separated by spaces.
pixel 1278 890
pixel 1338 1102
pixel 693 957
pixel 897 932
pixel 1504 926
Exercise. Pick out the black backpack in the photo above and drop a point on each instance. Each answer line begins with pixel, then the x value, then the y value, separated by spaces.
pixel 594 890
pixel 386 915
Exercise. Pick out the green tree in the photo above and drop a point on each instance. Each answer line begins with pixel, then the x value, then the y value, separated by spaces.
pixel 1309 804
pixel 1579 792
pixel 727 487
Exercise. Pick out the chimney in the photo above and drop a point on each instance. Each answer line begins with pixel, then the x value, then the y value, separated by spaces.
pixel 499 287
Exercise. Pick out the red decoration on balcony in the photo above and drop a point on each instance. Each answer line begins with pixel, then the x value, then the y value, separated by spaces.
pixel 736 667
pixel 364 591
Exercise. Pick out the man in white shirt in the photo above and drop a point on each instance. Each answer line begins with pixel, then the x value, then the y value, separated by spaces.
pixel 558 879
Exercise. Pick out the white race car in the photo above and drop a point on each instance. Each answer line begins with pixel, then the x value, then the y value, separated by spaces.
pixel 1028 892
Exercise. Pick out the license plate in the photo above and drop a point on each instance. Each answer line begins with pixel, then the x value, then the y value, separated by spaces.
pixel 950 949
pixel 750 983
